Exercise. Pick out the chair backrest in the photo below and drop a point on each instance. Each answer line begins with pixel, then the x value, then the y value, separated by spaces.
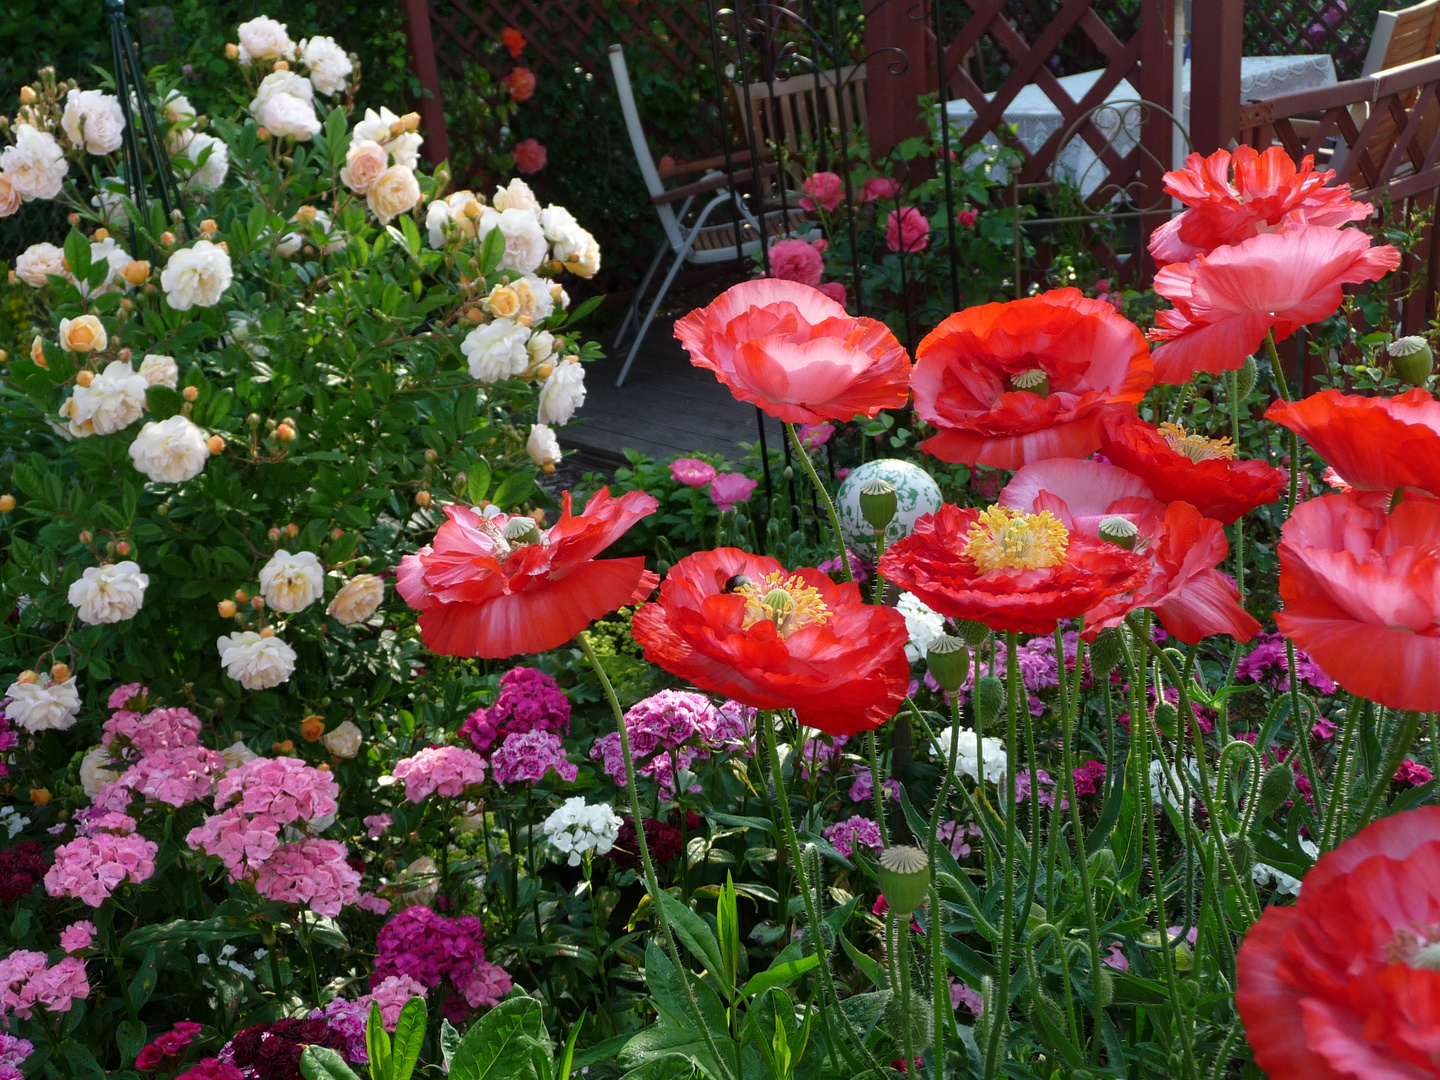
pixel 653 185
pixel 793 111
pixel 1402 37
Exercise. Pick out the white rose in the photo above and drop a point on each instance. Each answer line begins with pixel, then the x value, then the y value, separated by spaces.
pixel 437 217
pixel 357 600
pixel 542 446
pixel 536 302
pixel 461 210
pixel 496 350
pixel 109 593
pixel 572 245
pixel 587 263
pixel 113 401
pixel 317 220
pixel 525 246
pixel 210 173
pixel 541 347
pixel 365 162
pixel 37 262
pixel 93 119
pixel 562 394
pixel 169 451
pixel 177 109
pixel 394 192
pixel 35 164
pixel 43 705
pixel 117 258
pixel 405 149
pixel 277 84
pixel 94 777
pixel 516 196
pixel 237 754
pixel 417 883
pixel 160 370
pixel 327 64
pixel 263 38
pixel 292 583
pixel 196 275
pixel 109 201
pixel 287 115
pixel 254 661
pixel 375 127
pixel 344 741
pixel 10 198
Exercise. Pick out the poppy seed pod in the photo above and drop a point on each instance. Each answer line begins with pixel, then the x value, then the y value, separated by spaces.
pixel 904 874
pixel 878 503
pixel 949 662
pixel 1412 359
pixel 1119 531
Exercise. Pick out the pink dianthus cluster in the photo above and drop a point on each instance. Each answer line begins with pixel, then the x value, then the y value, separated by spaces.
pixel 529 700
pixel 681 722
pixel 167 1047
pixel 90 868
pixel 391 993
pixel 127 696
pixel 265 795
pixel 77 936
pixel 310 872
pixel 430 948
pixel 13 1052
pixel 845 836
pixel 176 777
pixel 212 1069
pixel 526 756
pixel 447 770
pixel 26 981
pixel 158 729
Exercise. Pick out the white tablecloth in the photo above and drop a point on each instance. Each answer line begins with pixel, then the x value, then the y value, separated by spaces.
pixel 1036 117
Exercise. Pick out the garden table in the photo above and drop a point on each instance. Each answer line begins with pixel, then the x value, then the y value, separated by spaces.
pixel 1037 118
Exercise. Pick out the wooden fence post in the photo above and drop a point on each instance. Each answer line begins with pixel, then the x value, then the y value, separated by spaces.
pixel 893 106
pixel 1217 38
pixel 422 55
pixel 1157 130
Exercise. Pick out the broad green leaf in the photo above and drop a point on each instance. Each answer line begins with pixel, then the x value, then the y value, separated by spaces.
pixel 130 1037
pixel 498 1045
pixel 779 975
pixel 163 402
pixel 449 1041
pixel 77 255
pixel 695 933
pixel 377 1045
pixel 492 250
pixel 514 489
pixel 409 1037
pixel 143 984
pixel 320 1063
pixel 479 484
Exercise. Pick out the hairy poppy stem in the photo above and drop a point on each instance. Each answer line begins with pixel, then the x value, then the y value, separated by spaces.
pixel 1000 1016
pixel 825 498
pixel 1400 739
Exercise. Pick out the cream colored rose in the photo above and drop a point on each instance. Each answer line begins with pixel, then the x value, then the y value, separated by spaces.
pixel 10 199
pixel 254 661
pixel 344 741
pixel 326 63
pixel 377 127
pixel 83 334
pixel 177 109
pixel 357 600
pixel 525 246
pixel 170 451
pixel 288 116
pixel 263 38
pixel 160 370
pixel 541 347
pixel 394 192
pixel 237 754
pixel 503 302
pixel 562 394
pixel 109 203
pixel 196 275
pixel 210 159
pixel 113 401
pixel 37 262
pixel 542 446
pixel 116 259
pixel 417 884
pixel 110 593
pixel 586 264
pixel 35 164
pixel 365 162
pixel 94 777
pixel 496 350
pixel 292 583
pixel 536 303
pixel 43 705
pixel 516 195
pixel 93 120
pixel 277 84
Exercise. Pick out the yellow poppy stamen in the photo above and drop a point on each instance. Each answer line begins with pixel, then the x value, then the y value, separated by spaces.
pixel 1008 539
pixel 785 601
pixel 1196 447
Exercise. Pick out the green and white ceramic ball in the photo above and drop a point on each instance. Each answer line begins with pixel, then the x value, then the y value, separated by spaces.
pixel 915 494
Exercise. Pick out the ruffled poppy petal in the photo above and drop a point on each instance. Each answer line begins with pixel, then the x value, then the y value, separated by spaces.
pixel 1270 1006
pixel 1088 489
pixel 1373 443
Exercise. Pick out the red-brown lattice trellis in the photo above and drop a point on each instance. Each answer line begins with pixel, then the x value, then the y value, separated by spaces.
pixel 1341 28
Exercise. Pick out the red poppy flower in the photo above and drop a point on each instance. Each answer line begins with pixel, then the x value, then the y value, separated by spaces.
pixel 481 595
pixel 1344 984
pixel 1185 590
pixel 1372 443
pixel 1179 465
pixel 1011 383
pixel 794 352
pixel 1008 569
pixel 740 625
pixel 1362 594
pixel 1266 191
pixel 1227 301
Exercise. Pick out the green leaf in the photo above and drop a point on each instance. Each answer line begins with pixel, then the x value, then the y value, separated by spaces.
pixel 77 254
pixel 872 969
pixel 130 1037
pixel 568 1057
pixel 377 1045
pixel 319 1063
pixel 143 984
pixel 163 402
pixel 82 1061
pixel 409 1037
pixel 216 929
pixel 492 250
pixel 449 1041
pixel 497 1046
pixel 779 975
pixel 412 234
pixel 513 490
pixel 479 484
pixel 695 934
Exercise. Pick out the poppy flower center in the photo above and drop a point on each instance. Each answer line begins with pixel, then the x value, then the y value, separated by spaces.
pixel 1196 447
pixel 787 602
pixel 1008 539
pixel 1034 381
pixel 1418 949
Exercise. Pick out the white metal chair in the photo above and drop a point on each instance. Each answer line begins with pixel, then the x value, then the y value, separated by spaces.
pixel 696 243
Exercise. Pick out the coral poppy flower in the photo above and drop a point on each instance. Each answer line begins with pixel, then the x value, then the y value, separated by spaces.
pixel 739 625
pixel 1227 301
pixel 1361 594
pixel 1008 569
pixel 794 352
pixel 1267 191
pixel 1028 380
pixel 1179 465
pixel 481 595
pixel 1372 443
pixel 1185 590
pixel 1344 984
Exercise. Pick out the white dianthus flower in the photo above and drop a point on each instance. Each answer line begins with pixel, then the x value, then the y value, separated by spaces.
pixel 578 828
pixel 327 64
pixel 496 350
pixel 292 583
pixel 542 446
pixel 562 393
pixel 114 400
pixel 110 593
pixel 35 165
pixel 196 275
pixel 93 119
pixel 170 451
pixel 254 661
pixel 966 760
pixel 921 623
pixel 43 704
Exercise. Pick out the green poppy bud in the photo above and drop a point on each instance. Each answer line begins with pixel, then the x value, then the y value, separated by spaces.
pixel 989 699
pixel 1245 378
pixel 904 874
pixel 1105 653
pixel 1276 786
pixel 1412 360
pixel 878 503
pixel 972 633
pixel 949 662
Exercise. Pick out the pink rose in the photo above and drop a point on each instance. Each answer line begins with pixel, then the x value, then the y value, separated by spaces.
pixel 834 290
pixel 967 218
pixel 906 229
pixel 795 260
pixel 692 472
pixel 820 244
pixel 879 187
pixel 529 156
pixel 823 189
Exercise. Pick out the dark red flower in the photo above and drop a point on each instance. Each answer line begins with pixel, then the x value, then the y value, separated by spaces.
pixel 1346 984
pixel 741 625
pixel 663 841
pixel 21 867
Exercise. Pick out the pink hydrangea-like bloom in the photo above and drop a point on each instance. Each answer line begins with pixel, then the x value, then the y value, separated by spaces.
pixel 93 823
pixel 376 824
pixel 176 777
pixel 906 229
pixel 692 472
pixel 77 936
pixel 13 1052
pixel 391 994
pixel 242 843
pixel 529 700
pixel 668 719
pixel 960 994
pixel 285 790
pixel 16 971
pixel 310 872
pixel 158 729
pixel 348 1019
pixel 487 987
pixel 446 770
pixel 845 836
pixel 123 696
pixel 729 489
pixel 526 756
pixel 796 260
pixel 90 868
pixel 823 190
pixel 56 988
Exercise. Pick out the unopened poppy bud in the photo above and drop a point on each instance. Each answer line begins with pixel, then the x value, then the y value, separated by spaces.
pixel 285 433
pixel 241 596
pixel 1034 381
pixel 136 272
pixel 40 796
pixel 422 498
pixel 904 874
pixel 258 603
pixel 1105 653
pixel 232 51
pixel 971 632
pixel 190 393
pixel 216 444
pixel 226 608
pixel 1241 852
pixel 949 662
pixel 122 548
pixel 7 503
pixel 87 537
pixel 101 234
pixel 878 503
pixel 1102 987
pixel 1245 378
pixel 1275 787
pixel 1119 531
pixel 989 699
pixel 521 530
pixel 208 227
pixel 60 672
pixel 311 728
pixel 1412 360
pixel 84 378
pixel 167 238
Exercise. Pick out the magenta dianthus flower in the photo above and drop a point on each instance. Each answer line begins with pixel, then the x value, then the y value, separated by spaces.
pixel 526 756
